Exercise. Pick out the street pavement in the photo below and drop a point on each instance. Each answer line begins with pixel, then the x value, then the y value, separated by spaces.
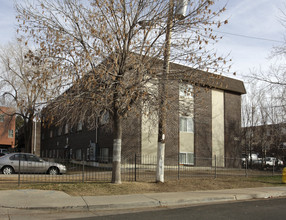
pixel 25 199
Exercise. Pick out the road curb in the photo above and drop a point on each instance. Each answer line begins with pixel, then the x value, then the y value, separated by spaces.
pixel 59 201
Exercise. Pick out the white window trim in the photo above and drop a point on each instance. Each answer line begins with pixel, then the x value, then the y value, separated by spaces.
pixel 187 162
pixel 187 131
pixel 10 133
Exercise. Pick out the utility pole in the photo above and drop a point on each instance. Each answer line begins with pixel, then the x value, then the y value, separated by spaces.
pixel 163 97
pixel 180 14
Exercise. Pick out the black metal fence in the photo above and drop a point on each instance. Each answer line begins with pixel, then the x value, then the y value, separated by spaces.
pixel 136 168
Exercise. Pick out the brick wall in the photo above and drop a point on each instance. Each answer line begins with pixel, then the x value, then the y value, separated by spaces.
pixel 131 127
pixel 203 127
pixel 172 123
pixel 7 124
pixel 232 129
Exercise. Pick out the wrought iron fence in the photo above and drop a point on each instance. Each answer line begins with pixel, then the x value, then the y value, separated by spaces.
pixel 134 168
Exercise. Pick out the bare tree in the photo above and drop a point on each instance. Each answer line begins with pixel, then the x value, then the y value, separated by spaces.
pixel 18 80
pixel 272 106
pixel 274 78
pixel 110 50
pixel 263 120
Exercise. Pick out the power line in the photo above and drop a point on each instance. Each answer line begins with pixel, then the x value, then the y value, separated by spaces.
pixel 250 37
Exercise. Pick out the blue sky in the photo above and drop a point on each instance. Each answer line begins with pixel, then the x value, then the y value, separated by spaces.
pixel 253 19
pixel 7 21
pixel 256 20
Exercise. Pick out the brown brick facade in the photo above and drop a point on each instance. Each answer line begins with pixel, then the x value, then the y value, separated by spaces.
pixel 203 127
pixel 230 90
pixel 60 145
pixel 232 109
pixel 172 123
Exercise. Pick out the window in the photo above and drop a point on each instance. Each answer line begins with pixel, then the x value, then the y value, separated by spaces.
pixel 186 158
pixel 66 128
pixel 10 133
pixel 32 158
pixel 18 157
pixel 186 124
pixel 51 133
pixel 1 118
pixel 186 90
pixel 105 118
pixel 78 154
pixel 79 126
pixel 60 130
pixel 104 153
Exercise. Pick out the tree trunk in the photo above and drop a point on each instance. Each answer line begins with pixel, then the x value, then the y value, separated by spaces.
pixel 28 127
pixel 116 171
pixel 160 162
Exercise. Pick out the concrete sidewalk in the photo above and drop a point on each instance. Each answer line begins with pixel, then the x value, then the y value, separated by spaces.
pixel 57 200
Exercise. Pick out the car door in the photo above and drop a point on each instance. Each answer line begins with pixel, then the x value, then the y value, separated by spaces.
pixel 35 165
pixel 19 159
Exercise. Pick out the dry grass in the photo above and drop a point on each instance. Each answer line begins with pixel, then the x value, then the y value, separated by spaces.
pixel 190 184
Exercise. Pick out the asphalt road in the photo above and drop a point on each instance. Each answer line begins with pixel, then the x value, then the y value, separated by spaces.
pixel 258 209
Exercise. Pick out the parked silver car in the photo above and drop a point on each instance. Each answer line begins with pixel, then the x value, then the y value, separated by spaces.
pixel 3 152
pixel 29 163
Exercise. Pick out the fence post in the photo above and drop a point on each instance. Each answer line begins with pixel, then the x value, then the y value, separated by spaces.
pixel 82 171
pixel 178 166
pixel 135 169
pixel 246 167
pixel 19 171
pixel 215 167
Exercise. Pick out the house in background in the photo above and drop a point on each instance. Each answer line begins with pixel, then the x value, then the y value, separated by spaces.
pixel 7 127
pixel 204 122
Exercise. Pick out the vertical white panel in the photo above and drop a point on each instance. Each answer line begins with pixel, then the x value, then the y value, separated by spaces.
pixel 149 126
pixel 218 126
pixel 149 134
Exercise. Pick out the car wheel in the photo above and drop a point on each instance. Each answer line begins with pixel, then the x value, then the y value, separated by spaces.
pixel 53 171
pixel 7 170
